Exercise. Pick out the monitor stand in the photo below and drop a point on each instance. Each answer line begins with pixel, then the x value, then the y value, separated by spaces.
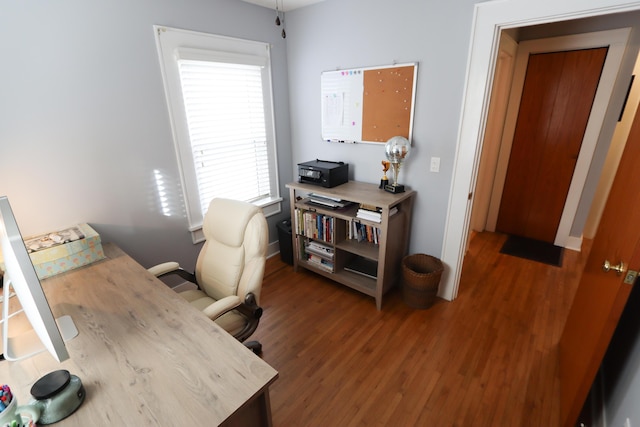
pixel 27 343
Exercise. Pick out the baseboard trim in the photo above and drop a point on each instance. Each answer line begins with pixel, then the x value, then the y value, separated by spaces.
pixel 273 249
pixel 574 243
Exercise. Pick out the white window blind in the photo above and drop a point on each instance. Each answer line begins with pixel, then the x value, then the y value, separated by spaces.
pixel 220 103
pixel 226 120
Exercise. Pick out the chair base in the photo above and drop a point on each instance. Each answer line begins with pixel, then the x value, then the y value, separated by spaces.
pixel 254 346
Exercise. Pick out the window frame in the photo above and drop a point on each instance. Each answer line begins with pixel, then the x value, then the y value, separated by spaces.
pixel 176 44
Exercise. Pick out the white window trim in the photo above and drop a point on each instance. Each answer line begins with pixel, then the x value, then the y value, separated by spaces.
pixel 173 44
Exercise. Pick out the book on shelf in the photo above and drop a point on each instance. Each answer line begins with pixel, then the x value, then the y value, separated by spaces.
pixel 372 208
pixel 314 225
pixel 363 266
pixel 319 246
pixel 375 216
pixel 369 215
pixel 320 262
pixel 364 232
pixel 316 248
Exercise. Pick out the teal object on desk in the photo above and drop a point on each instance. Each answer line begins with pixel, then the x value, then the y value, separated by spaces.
pixel 58 394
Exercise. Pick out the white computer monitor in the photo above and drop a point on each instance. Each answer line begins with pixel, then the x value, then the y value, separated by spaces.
pixel 47 333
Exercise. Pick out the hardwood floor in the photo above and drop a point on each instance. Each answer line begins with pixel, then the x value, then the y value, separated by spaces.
pixel 487 359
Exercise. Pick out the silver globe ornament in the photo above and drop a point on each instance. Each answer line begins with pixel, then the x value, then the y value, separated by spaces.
pixel 396 149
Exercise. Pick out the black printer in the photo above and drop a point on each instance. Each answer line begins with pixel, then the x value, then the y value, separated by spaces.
pixel 323 172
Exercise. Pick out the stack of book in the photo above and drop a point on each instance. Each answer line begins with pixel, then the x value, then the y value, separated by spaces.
pixel 319 255
pixel 373 213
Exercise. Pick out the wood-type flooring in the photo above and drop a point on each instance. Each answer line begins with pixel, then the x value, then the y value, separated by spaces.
pixel 489 358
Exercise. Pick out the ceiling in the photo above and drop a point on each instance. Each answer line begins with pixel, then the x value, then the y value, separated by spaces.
pixel 283 5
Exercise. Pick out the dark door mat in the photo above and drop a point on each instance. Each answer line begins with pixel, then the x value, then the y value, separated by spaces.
pixel 534 250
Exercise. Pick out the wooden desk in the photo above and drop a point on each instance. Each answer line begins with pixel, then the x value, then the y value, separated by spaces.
pixel 145 356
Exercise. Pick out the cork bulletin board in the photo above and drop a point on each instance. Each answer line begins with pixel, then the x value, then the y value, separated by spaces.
pixel 368 105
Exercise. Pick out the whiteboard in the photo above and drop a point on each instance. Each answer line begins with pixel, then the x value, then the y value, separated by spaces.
pixel 368 105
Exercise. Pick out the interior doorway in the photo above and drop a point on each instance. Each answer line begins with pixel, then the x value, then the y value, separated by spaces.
pixel 565 207
pixel 490 19
pixel 557 96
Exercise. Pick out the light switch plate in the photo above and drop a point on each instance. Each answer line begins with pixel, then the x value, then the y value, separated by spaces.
pixel 435 164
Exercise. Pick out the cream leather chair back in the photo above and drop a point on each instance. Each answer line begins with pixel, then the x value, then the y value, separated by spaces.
pixel 233 257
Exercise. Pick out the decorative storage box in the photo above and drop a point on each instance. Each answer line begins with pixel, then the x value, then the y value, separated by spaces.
pixel 64 250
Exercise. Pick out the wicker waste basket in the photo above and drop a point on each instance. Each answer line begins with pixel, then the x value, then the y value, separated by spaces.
pixel 421 275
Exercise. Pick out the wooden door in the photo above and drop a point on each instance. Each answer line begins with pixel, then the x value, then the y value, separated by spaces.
pixel 601 296
pixel 557 95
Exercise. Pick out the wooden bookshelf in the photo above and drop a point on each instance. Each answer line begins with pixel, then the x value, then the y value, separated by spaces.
pixel 330 228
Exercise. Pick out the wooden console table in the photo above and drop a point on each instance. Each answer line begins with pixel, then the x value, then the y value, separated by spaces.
pixel 144 355
pixel 331 246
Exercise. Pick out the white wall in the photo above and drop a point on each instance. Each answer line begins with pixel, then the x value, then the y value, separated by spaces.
pixel 622 403
pixel 84 122
pixel 358 33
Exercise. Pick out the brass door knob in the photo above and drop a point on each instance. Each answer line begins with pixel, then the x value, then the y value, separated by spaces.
pixel 619 269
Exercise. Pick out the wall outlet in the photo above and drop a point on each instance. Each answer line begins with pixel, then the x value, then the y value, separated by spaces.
pixel 435 164
pixel 627 423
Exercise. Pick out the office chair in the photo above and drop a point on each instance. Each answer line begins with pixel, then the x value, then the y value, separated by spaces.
pixel 229 268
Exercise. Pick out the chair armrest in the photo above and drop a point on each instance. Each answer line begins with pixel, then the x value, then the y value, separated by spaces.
pixel 164 268
pixel 253 312
pixel 222 306
pixel 250 307
pixel 172 267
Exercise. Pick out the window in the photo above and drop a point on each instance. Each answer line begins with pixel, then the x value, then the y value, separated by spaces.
pixel 219 95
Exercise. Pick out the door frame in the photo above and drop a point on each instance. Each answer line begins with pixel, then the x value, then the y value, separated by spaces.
pixel 505 63
pixel 616 40
pixel 489 19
